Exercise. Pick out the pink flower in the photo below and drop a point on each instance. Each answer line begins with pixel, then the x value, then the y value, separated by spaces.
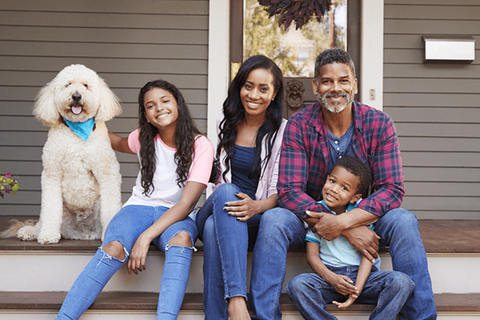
pixel 6 190
pixel 8 175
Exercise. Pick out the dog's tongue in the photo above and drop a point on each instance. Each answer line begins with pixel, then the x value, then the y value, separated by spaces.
pixel 76 110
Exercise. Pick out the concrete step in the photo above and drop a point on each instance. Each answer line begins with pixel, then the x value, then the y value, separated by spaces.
pixel 142 305
pixel 56 271
pixel 453 247
pixel 30 270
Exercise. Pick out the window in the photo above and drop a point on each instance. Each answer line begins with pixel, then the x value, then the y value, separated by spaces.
pixel 252 32
pixel 293 50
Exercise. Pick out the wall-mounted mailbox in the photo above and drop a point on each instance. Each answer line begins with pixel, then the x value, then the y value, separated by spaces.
pixel 449 49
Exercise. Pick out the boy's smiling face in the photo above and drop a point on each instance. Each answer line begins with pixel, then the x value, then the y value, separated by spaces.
pixel 340 189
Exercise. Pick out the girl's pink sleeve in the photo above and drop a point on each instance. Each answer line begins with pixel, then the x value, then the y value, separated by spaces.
pixel 133 141
pixel 202 161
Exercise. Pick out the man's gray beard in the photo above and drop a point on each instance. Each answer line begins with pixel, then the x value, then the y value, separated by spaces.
pixel 335 108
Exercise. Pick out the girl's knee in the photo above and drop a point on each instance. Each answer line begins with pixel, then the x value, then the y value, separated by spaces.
pixel 115 249
pixel 181 239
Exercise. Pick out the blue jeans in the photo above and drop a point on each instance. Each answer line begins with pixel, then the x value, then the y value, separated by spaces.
pixel 388 290
pixel 125 227
pixel 399 230
pixel 226 244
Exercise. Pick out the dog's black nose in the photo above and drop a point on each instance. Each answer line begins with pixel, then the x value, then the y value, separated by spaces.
pixel 76 96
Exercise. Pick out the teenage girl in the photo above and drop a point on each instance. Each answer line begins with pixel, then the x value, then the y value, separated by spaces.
pixel 175 165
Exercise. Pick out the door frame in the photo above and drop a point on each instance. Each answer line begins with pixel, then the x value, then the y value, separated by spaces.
pixel 370 54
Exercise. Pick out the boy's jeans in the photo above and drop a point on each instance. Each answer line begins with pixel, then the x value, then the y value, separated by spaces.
pixel 399 230
pixel 226 243
pixel 387 289
pixel 125 227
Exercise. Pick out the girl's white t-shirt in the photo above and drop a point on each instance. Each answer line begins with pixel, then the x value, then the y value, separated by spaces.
pixel 167 193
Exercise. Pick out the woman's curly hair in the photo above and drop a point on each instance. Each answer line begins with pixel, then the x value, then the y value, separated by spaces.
pixel 185 134
pixel 234 114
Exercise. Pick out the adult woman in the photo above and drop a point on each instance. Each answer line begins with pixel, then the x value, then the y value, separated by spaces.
pixel 250 132
pixel 175 167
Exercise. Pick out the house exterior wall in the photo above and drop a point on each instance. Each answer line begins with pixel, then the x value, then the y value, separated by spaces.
pixel 126 42
pixel 435 107
pixel 131 42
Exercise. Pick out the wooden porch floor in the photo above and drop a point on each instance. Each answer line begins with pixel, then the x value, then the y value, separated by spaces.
pixel 439 236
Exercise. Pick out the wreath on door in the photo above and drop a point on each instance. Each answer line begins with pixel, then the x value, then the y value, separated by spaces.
pixel 300 11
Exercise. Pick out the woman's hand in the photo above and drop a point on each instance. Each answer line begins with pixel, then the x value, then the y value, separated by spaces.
pixel 138 256
pixel 243 209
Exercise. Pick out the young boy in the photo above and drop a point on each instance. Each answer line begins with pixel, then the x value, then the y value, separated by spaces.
pixel 340 269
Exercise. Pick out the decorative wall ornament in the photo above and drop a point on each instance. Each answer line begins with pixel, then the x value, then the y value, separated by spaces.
pixel 300 11
pixel 294 90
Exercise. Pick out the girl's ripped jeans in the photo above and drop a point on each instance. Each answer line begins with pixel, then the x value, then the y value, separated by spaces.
pixel 125 227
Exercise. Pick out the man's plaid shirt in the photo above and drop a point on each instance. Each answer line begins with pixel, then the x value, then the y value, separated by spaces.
pixel 304 160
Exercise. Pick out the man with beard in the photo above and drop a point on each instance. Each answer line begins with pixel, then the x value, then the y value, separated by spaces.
pixel 314 139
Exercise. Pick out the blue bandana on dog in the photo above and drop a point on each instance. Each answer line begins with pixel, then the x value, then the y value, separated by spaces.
pixel 82 129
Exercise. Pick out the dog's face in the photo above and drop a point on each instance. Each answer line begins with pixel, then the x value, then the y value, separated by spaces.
pixel 77 94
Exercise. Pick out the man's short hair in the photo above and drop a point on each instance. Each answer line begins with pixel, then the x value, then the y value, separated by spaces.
pixel 330 56
pixel 359 169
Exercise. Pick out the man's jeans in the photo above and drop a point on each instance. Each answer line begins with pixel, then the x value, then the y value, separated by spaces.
pixel 125 227
pixel 387 289
pixel 226 243
pixel 399 230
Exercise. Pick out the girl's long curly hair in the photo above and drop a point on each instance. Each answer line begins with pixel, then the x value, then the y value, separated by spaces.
pixel 234 113
pixel 185 134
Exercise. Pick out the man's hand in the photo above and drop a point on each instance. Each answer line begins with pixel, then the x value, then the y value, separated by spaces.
pixel 329 226
pixel 365 240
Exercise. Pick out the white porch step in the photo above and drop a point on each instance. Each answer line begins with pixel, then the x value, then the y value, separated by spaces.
pixel 198 315
pixel 57 270
pixel 33 272
pixel 29 270
pixel 142 305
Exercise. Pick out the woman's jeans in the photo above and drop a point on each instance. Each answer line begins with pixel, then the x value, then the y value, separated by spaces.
pixel 226 244
pixel 125 227
pixel 388 290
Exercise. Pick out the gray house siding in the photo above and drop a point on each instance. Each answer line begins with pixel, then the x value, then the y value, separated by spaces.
pixel 126 42
pixel 436 107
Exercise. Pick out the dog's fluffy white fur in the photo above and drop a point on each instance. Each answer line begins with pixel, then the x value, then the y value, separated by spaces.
pixel 80 179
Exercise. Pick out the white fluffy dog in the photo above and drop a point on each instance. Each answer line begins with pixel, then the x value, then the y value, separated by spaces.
pixel 80 179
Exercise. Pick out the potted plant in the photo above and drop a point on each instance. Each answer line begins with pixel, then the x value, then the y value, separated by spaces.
pixel 8 184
